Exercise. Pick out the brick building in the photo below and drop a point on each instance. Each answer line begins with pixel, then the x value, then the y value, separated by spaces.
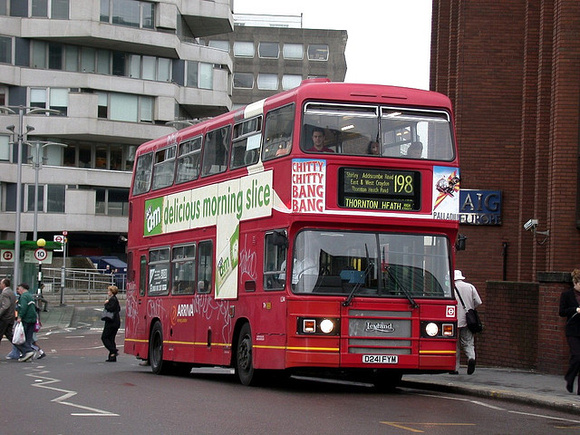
pixel 511 70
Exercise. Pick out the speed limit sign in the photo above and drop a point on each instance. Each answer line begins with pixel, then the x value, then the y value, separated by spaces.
pixel 40 254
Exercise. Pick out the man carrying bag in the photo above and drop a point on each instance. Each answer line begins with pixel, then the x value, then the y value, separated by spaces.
pixel 468 299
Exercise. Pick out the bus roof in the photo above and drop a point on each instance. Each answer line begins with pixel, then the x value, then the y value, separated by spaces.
pixel 321 89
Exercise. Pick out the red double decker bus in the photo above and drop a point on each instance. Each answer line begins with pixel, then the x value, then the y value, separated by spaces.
pixel 312 231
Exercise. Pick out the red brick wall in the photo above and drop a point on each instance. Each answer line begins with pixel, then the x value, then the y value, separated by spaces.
pixel 553 352
pixel 522 327
pixel 510 316
pixel 511 70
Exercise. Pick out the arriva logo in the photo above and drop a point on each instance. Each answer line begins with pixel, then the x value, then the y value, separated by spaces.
pixel 152 218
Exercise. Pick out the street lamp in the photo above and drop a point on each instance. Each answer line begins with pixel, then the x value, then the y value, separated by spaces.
pixel 21 111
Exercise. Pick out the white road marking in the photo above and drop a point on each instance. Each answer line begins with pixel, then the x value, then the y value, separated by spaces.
pixel 45 382
pixel 476 402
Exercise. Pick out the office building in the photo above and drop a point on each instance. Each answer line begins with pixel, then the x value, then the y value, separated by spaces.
pixel 274 53
pixel 120 73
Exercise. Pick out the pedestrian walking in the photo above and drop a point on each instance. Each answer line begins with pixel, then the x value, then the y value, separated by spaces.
pixel 570 308
pixel 26 315
pixel 7 310
pixel 467 298
pixel 112 320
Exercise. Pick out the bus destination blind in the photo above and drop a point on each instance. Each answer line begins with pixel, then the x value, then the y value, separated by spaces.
pixel 379 189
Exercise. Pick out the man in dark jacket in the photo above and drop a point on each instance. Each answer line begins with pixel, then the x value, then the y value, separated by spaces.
pixel 26 315
pixel 7 309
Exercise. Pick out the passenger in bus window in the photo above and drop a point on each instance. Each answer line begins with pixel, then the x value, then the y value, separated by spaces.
pixel 318 141
pixel 374 148
pixel 415 150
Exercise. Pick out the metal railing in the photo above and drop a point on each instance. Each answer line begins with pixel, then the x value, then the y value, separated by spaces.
pixel 81 280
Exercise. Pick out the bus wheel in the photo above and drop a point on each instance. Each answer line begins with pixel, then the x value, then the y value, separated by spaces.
pixel 244 363
pixel 386 381
pixel 156 349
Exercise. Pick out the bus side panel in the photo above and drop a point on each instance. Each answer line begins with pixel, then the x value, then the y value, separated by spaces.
pixel 265 310
pixel 137 319
pixel 267 315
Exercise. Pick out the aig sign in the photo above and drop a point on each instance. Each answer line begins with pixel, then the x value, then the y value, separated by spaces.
pixel 480 207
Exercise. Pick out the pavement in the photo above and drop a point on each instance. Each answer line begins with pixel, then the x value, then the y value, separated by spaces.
pixel 522 386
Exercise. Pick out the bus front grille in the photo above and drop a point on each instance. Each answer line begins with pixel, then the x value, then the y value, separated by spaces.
pixel 377 332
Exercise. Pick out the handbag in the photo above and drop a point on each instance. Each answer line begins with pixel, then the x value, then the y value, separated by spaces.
pixel 471 316
pixel 37 325
pixel 107 315
pixel 473 321
pixel 18 337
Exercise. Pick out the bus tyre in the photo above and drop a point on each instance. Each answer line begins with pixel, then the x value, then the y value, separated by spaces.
pixel 156 350
pixel 244 362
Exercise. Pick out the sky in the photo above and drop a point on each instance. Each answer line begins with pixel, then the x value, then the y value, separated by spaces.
pixel 388 40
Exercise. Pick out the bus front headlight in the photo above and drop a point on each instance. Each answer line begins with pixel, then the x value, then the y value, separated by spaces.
pixel 431 329
pixel 327 326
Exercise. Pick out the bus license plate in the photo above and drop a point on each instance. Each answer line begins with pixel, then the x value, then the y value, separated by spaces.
pixel 380 359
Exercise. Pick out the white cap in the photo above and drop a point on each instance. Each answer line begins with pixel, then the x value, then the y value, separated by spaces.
pixel 458 275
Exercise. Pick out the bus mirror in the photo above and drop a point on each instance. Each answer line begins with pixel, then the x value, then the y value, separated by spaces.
pixel 460 243
pixel 279 239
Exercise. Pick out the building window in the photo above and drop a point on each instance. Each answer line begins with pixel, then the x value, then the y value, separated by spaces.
pixel 318 52
pixel 125 107
pixel 220 45
pixel 55 198
pixel 39 8
pixel 59 9
pixel 199 75
pixel 243 49
pixel 38 98
pixel 5 49
pixel 30 201
pixel 293 51
pixel 88 60
pixel 71 58
pixel 290 81
pixel 50 198
pixel 268 82
pixel 58 99
pixel 4 7
pixel 128 13
pixel 149 68
pixel 243 81
pixel 104 62
pixel 4 148
pixel 192 74
pixel 269 50
pixel 112 202
pixel 39 54
pixel 164 70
